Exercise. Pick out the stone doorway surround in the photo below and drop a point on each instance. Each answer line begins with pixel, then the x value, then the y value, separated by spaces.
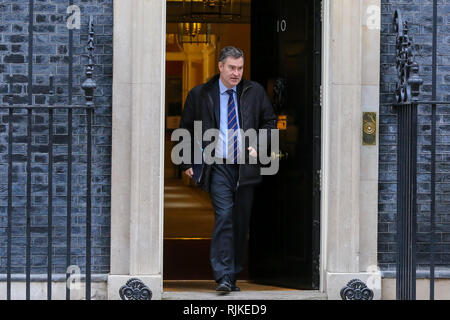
pixel 349 204
pixel 350 72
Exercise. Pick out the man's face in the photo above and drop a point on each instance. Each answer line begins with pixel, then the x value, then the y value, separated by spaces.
pixel 231 71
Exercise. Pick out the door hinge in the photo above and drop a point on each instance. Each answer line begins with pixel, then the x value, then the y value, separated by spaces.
pixel 321 96
pixel 318 180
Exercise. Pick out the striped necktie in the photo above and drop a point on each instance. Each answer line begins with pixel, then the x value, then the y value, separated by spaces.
pixel 232 145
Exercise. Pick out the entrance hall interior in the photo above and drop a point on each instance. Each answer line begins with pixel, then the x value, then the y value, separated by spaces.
pixel 196 31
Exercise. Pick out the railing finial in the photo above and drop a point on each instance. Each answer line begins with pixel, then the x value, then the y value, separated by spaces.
pixel 409 81
pixel 89 84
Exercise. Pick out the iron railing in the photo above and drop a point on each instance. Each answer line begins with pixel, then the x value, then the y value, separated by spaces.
pixel 14 113
pixel 407 103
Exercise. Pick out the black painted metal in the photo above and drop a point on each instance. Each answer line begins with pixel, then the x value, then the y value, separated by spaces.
pixel 356 290
pixel 28 210
pixel 406 202
pixel 407 103
pixel 10 138
pixel 50 204
pixel 135 289
pixel 50 190
pixel 416 102
pixel 69 199
pixel 29 115
pixel 47 106
pixel 407 95
pixel 433 153
pixel 88 205
pixel 89 86
pixel 69 163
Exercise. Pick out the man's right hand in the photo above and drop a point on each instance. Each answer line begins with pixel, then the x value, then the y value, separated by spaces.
pixel 189 172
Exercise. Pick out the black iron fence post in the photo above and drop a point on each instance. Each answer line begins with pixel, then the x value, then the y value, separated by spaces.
pixel 433 151
pixel 406 202
pixel 407 96
pixel 89 86
pixel 10 169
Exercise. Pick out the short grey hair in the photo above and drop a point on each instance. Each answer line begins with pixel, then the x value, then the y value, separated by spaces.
pixel 230 51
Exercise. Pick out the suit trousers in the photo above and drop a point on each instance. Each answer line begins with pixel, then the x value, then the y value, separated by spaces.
pixel 232 208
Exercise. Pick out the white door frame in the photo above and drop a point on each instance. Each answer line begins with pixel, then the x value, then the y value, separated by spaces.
pixel 350 81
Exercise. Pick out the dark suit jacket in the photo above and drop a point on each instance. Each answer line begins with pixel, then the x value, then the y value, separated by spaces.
pixel 255 112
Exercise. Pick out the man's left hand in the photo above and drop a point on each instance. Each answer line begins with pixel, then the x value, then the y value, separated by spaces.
pixel 252 152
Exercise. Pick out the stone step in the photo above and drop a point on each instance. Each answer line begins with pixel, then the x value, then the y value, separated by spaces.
pixel 246 295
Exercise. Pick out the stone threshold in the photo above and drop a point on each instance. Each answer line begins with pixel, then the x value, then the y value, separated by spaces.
pixel 205 290
pixel 246 295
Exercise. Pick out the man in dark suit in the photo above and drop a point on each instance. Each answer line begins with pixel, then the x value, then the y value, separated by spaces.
pixel 229 103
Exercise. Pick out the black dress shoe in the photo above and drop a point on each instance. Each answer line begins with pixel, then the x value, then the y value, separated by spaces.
pixel 224 284
pixel 234 287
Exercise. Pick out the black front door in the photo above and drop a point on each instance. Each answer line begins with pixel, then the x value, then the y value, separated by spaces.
pixel 284 231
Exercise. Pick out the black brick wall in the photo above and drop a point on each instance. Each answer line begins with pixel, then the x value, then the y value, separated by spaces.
pixel 419 13
pixel 50 55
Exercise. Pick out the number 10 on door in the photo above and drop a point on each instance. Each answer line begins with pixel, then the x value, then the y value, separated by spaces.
pixel 281 25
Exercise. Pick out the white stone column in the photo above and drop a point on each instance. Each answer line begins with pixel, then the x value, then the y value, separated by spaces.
pixel 350 170
pixel 370 97
pixel 137 144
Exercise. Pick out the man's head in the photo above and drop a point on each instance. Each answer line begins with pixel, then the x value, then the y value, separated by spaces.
pixel 231 66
